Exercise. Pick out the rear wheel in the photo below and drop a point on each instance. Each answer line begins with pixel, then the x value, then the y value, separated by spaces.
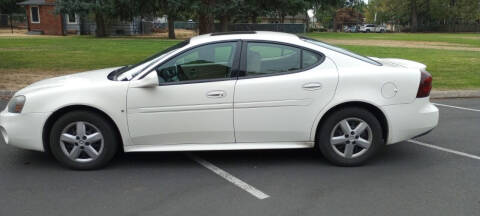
pixel 83 140
pixel 350 136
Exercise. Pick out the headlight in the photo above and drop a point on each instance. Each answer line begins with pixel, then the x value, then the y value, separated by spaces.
pixel 16 104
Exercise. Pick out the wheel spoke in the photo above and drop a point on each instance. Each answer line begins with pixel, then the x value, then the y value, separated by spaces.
pixel 360 128
pixel 80 129
pixel 91 152
pixel 348 150
pixel 68 138
pixel 363 143
pixel 338 140
pixel 95 137
pixel 345 127
pixel 74 153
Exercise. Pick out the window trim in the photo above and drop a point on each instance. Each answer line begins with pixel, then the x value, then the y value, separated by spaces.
pixel 233 75
pixel 76 19
pixel 38 14
pixel 243 65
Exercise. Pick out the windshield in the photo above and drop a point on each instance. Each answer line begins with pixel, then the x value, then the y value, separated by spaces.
pixel 341 50
pixel 128 72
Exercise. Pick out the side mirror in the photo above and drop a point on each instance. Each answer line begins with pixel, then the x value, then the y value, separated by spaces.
pixel 150 81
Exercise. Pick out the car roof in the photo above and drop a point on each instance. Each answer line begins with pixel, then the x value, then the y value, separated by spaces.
pixel 245 35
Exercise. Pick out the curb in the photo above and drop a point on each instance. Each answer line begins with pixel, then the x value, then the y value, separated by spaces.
pixel 7 94
pixel 455 94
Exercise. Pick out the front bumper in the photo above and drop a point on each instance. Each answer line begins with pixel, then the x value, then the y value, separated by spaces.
pixel 23 130
pixel 410 120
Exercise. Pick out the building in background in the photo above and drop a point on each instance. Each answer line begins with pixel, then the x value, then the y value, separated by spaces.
pixel 43 19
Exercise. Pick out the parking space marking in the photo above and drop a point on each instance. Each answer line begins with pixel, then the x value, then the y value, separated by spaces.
pixel 456 107
pixel 227 176
pixel 445 149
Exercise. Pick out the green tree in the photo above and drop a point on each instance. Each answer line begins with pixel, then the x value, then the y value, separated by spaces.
pixel 10 7
pixel 102 10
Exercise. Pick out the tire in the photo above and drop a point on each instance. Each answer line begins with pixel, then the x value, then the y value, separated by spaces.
pixel 361 146
pixel 96 134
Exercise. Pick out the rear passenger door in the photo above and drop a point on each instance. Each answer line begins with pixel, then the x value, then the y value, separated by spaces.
pixel 280 90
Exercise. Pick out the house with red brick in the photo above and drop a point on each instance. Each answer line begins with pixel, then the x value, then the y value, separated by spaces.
pixel 43 19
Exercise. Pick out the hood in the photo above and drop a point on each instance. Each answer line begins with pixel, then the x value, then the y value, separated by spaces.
pixel 394 62
pixel 83 78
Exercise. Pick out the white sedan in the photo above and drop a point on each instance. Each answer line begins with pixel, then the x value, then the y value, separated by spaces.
pixel 227 91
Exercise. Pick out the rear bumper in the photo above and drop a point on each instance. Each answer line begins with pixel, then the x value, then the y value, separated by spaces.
pixel 406 121
pixel 23 130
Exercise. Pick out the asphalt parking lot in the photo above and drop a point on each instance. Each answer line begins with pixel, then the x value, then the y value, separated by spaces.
pixel 438 174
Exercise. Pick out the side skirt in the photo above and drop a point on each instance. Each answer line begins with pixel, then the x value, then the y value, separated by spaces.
pixel 218 146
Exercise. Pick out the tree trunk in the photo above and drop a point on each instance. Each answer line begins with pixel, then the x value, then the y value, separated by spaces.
pixel 224 21
pixel 202 24
pixel 206 18
pixel 205 24
pixel 307 21
pixel 254 18
pixel 100 23
pixel 413 16
pixel 171 26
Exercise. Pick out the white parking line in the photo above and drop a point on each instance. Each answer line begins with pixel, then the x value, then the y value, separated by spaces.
pixel 456 107
pixel 234 180
pixel 445 149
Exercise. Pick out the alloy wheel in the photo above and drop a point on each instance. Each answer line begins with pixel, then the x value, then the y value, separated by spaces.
pixel 81 141
pixel 351 137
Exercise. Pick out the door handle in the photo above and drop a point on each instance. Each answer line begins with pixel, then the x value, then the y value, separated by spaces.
pixel 312 86
pixel 216 94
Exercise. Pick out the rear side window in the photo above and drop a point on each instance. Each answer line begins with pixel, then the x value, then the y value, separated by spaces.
pixel 270 58
pixel 309 59
pixel 266 58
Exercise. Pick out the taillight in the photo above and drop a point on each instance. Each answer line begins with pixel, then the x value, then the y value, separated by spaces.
pixel 425 85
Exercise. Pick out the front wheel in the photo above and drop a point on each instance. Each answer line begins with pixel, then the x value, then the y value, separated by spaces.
pixel 350 136
pixel 83 140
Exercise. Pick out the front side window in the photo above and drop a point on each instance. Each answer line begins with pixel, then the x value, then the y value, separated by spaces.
pixel 267 58
pixel 34 14
pixel 213 61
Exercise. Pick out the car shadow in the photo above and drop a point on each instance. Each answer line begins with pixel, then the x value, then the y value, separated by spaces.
pixel 391 156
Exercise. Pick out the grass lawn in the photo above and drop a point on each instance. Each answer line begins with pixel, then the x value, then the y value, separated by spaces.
pixel 75 53
pixel 27 59
pixel 472 39
pixel 451 69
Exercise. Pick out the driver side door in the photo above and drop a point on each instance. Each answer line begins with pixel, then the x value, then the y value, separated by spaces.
pixel 193 103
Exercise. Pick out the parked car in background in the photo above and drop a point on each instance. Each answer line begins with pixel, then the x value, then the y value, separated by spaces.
pixel 372 28
pixel 351 29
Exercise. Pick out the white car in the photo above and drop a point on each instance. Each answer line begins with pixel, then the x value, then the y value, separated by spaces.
pixel 227 91
pixel 372 28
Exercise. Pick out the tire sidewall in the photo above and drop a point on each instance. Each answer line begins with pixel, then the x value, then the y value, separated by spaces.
pixel 108 133
pixel 323 140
